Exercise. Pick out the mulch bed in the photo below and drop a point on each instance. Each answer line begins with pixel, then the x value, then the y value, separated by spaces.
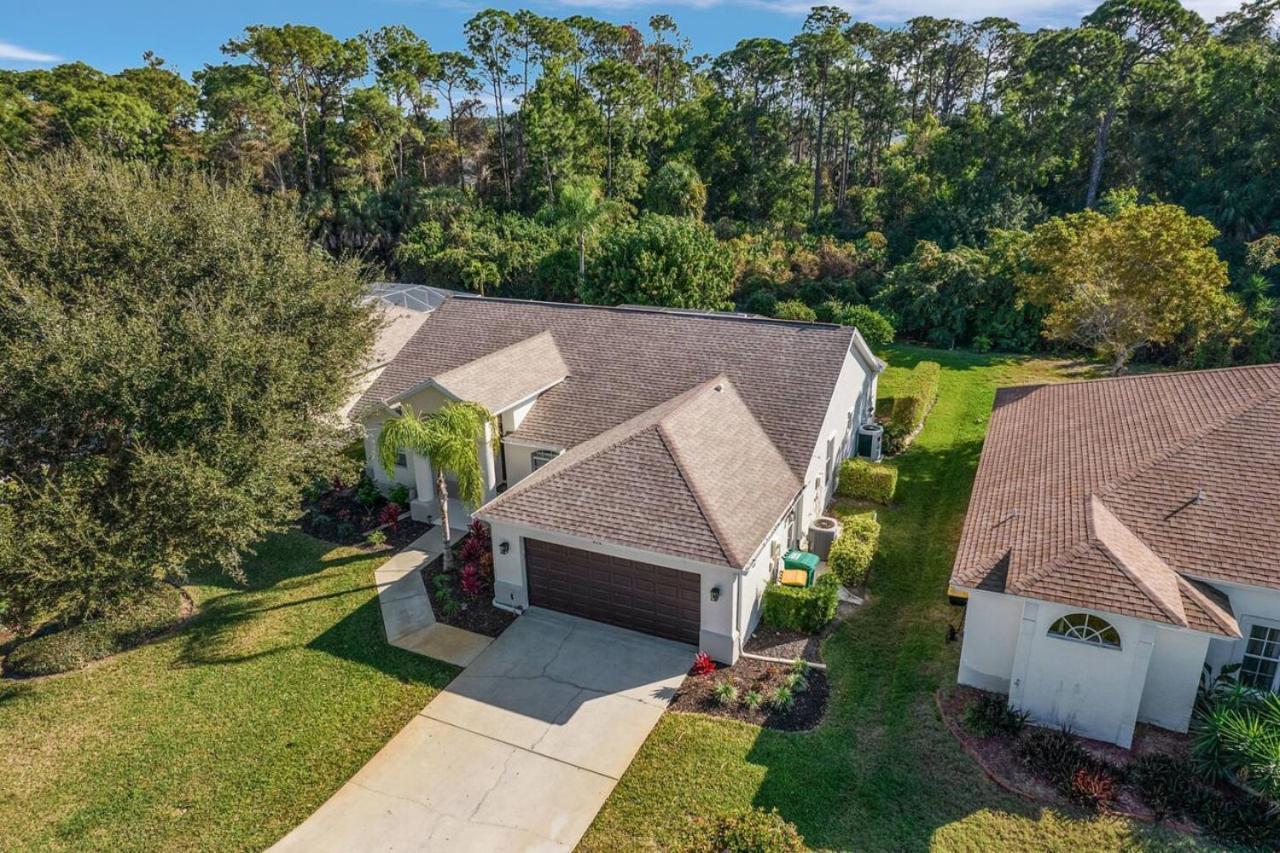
pixel 477 614
pixel 697 695
pixel 995 756
pixel 787 644
pixel 338 517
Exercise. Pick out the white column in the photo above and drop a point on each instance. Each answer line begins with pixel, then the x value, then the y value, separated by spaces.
pixel 423 477
pixel 1022 657
pixel 487 466
pixel 1137 682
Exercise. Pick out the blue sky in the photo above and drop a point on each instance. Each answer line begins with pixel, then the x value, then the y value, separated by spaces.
pixel 112 34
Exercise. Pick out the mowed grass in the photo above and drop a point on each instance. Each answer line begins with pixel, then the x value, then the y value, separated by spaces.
pixel 225 735
pixel 882 772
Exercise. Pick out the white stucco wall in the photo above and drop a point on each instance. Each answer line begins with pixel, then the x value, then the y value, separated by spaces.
pixel 1252 606
pixel 991 623
pixel 1172 678
pixel 760 571
pixel 403 474
pixel 854 392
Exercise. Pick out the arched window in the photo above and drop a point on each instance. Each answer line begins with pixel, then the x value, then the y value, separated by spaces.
pixel 1086 629
pixel 538 458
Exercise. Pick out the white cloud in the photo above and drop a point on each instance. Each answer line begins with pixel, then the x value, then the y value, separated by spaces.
pixel 14 53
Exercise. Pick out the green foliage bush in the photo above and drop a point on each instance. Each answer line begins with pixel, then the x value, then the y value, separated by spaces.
pixel 134 622
pixel 752 831
pixel 1235 736
pixel 399 494
pixel 853 550
pixel 808 609
pixel 662 260
pixel 991 715
pixel 876 328
pixel 868 481
pixel 916 396
pixel 794 309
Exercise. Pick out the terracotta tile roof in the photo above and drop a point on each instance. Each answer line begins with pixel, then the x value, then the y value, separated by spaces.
pixel 695 476
pixel 504 377
pixel 624 361
pixel 1115 494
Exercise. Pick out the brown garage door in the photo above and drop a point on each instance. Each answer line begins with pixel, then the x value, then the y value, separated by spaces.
pixel 639 596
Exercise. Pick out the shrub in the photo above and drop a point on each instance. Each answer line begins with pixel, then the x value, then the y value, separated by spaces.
pixel 1054 754
pixel 793 309
pixel 1092 787
pixel 345 531
pixel 367 493
pixel 752 699
pixel 376 538
pixel 981 343
pixel 1236 736
pixel 916 396
pixel 991 715
pixel 782 698
pixel 726 692
pixel 126 626
pixel 471 549
pixel 390 516
pixel 479 530
pixel 752 831
pixel 760 302
pixel 867 481
pixel 470 581
pixel 807 610
pixel 853 550
pixel 703 664
pixel 1167 784
pixel 399 494
pixel 876 329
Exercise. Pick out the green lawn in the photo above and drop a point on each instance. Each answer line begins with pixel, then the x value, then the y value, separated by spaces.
pixel 224 735
pixel 882 772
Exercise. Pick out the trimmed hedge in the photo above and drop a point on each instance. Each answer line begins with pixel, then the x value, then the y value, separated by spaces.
pixel 851 553
pixel 867 481
pixel 916 396
pixel 76 647
pixel 808 610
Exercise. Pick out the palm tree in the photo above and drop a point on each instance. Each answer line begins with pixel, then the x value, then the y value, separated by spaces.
pixel 578 211
pixel 450 439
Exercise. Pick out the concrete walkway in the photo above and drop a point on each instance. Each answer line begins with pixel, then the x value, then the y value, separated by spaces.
pixel 407 616
pixel 518 753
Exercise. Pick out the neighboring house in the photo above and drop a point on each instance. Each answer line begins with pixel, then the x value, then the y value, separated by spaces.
pixel 654 464
pixel 1122 534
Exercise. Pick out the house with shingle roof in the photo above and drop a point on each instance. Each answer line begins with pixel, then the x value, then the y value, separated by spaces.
pixel 652 466
pixel 1123 534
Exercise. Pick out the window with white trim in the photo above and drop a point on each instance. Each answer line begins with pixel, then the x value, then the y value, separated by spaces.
pixel 1086 628
pixel 538 458
pixel 1261 658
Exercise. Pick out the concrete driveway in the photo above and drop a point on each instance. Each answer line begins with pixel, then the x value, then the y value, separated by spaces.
pixel 519 752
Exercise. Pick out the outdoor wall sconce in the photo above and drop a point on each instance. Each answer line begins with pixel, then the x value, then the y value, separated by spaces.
pixel 504 547
pixel 715 593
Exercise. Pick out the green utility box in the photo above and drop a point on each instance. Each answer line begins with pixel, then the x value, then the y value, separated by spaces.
pixel 802 560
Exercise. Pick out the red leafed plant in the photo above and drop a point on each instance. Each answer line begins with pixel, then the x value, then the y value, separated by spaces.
pixel 479 530
pixel 703 664
pixel 390 515
pixel 1093 788
pixel 472 584
pixel 471 549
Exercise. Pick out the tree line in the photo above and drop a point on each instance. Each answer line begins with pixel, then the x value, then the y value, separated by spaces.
pixel 902 169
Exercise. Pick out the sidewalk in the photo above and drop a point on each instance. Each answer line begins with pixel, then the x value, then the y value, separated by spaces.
pixel 407 617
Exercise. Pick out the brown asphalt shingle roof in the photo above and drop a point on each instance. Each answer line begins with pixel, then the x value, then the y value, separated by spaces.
pixel 1114 494
pixel 504 377
pixel 623 361
pixel 686 433
pixel 695 477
